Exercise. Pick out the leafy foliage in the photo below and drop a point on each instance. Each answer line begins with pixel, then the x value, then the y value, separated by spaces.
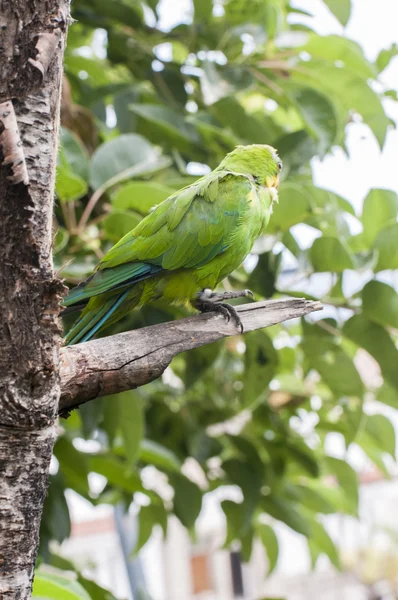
pixel 140 109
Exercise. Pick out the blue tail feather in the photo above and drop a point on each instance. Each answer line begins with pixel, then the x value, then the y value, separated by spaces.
pixel 97 320
pixel 110 312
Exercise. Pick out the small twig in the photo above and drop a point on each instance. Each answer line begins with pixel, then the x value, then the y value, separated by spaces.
pixel 323 325
pixel 72 215
pixel 338 304
pixel 90 207
pixel 65 215
pixel 145 167
pixel 98 219
pixel 266 81
pixel 280 65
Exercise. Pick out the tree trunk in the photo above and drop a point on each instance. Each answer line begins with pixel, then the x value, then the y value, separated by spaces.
pixel 32 39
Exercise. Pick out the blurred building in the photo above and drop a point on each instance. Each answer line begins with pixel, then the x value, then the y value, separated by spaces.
pixel 177 569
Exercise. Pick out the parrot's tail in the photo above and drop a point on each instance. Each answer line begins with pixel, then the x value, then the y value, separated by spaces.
pixel 94 319
pixel 106 297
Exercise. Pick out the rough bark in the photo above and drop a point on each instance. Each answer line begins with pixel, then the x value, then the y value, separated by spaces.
pixel 32 37
pixel 128 360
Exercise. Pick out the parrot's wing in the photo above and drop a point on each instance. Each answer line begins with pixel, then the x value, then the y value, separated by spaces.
pixel 187 230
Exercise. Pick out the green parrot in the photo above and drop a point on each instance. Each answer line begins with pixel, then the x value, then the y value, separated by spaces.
pixel 182 249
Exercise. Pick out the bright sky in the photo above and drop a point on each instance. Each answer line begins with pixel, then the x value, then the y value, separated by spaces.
pixel 373 24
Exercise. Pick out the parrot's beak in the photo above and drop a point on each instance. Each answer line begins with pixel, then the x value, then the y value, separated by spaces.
pixel 272 182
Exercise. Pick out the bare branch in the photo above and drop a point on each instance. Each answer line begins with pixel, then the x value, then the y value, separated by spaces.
pixel 129 360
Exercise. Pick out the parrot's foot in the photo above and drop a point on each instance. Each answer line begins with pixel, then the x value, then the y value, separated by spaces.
pixel 208 294
pixel 208 301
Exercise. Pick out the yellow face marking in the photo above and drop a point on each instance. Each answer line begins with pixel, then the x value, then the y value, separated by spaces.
pixel 272 181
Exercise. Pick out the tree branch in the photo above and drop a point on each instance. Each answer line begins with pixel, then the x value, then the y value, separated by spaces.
pixel 129 360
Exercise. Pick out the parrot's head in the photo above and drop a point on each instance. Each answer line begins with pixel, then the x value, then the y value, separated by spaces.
pixel 260 161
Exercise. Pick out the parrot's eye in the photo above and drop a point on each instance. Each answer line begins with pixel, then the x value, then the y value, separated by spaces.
pixel 280 166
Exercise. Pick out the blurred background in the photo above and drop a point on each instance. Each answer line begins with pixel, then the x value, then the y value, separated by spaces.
pixel 262 467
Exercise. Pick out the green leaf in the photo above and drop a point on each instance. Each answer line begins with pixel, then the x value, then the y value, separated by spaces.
pixel 270 542
pixel 121 154
pixel 131 423
pixel 197 362
pixel 370 446
pixel 159 456
pixel 203 9
pixel 238 530
pixel 380 303
pixel 56 520
pixel 148 517
pixel 380 210
pixel 347 478
pixel 330 79
pixel 320 542
pixel 216 139
pixel 187 499
pixel 234 514
pixel 96 592
pixel 250 481
pixel 111 418
pixel 69 186
pixel 314 500
pixel 387 395
pixel 140 196
pixel 329 254
pixel 248 127
pixel 263 279
pixel 296 450
pixel 73 465
pixel 334 495
pixel 336 369
pixel 290 242
pixel 261 361
pixel 90 416
pixel 61 240
pixel 387 247
pixel 248 450
pixel 382 431
pixel 127 13
pixel 318 114
pixel 286 512
pixel 336 48
pixel 73 154
pixel 163 124
pixel 385 56
pixel 57 586
pixel 120 222
pixel 116 471
pixel 341 9
pixel 217 82
pixel 297 149
pixel 293 207
pixel 377 342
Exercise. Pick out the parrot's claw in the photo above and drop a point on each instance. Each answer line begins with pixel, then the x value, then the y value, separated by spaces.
pixel 209 301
